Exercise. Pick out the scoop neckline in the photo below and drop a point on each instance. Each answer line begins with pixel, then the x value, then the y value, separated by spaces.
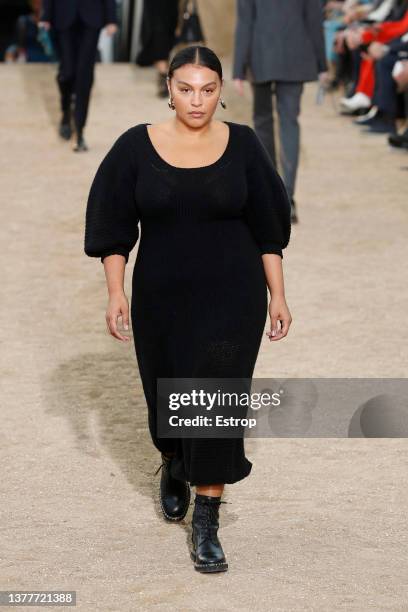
pixel 217 161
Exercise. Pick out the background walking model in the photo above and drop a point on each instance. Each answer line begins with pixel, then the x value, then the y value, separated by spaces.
pixel 158 37
pixel 278 47
pixel 78 24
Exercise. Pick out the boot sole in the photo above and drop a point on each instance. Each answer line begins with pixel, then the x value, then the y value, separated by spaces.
pixel 176 519
pixel 209 567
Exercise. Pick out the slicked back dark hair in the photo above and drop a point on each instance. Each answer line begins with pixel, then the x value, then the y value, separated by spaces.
pixel 195 54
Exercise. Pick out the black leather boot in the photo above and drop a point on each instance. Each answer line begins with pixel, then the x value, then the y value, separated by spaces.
pixel 174 493
pixel 207 553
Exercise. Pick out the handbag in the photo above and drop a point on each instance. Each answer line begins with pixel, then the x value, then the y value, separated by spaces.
pixel 190 30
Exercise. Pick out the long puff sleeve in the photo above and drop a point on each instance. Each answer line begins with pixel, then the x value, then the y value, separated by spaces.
pixel 268 208
pixel 111 220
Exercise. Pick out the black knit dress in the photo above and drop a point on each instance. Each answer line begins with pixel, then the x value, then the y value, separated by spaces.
pixel 199 294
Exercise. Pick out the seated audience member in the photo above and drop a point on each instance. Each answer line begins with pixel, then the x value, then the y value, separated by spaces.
pixel 360 38
pixel 387 98
pixel 32 44
pixel 346 63
pixel 400 74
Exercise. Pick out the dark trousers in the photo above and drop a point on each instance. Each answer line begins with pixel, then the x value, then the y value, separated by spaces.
pixel 77 47
pixel 288 96
pixel 385 96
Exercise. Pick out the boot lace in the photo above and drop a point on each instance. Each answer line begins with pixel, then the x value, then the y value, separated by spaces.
pixel 166 461
pixel 207 519
pixel 159 468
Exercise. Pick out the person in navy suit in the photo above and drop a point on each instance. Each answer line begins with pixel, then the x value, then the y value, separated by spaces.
pixel 77 24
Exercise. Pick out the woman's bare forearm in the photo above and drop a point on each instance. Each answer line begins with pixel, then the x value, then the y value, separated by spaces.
pixel 274 274
pixel 115 273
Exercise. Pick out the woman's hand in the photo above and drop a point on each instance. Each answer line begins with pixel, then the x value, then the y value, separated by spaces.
pixel 279 311
pixel 118 306
pixel 377 50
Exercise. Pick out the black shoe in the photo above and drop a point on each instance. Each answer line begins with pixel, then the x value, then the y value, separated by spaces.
pixel 399 140
pixel 174 493
pixel 380 125
pixel 293 213
pixel 80 144
pixel 65 130
pixel 207 552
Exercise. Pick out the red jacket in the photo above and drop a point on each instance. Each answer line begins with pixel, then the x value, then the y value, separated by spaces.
pixel 386 31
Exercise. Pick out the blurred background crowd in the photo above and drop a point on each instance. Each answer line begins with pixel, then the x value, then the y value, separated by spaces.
pixel 367 47
pixel 357 51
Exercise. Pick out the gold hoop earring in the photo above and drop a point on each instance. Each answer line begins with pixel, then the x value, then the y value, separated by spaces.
pixel 170 104
pixel 223 103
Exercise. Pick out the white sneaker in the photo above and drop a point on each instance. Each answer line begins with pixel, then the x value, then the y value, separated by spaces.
pixel 359 100
pixel 370 115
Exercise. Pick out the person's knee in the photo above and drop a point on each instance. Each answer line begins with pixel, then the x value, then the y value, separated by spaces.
pixel 263 118
pixel 66 74
pixel 289 115
pixel 288 105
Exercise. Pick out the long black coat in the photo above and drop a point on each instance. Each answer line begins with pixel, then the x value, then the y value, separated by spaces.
pixel 159 22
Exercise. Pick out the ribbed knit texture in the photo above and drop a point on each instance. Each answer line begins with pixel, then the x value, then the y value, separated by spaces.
pixel 199 295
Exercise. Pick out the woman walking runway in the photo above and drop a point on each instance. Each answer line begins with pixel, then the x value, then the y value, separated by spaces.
pixel 214 218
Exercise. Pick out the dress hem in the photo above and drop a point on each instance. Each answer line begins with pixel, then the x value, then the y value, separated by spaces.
pixel 216 479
